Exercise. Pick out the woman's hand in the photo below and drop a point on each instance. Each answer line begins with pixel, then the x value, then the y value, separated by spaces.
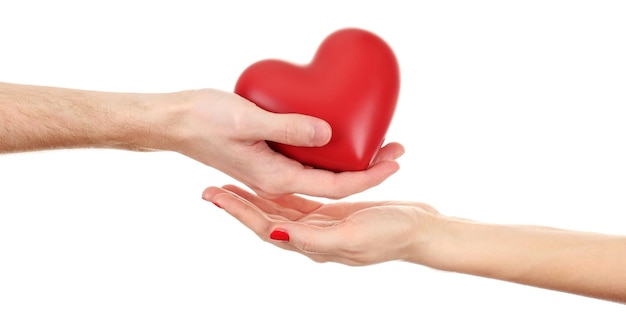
pixel 359 233
pixel 363 233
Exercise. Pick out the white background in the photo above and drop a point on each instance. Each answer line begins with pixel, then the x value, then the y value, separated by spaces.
pixel 510 112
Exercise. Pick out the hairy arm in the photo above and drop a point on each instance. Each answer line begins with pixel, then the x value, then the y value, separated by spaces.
pixel 38 118
pixel 217 128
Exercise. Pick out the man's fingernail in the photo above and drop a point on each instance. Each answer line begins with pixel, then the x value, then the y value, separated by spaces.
pixel 279 235
pixel 321 133
pixel 399 153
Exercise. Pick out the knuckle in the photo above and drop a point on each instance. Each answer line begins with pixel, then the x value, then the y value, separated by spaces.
pixel 295 132
pixel 309 247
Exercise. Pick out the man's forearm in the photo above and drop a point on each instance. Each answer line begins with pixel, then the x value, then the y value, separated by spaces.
pixel 38 117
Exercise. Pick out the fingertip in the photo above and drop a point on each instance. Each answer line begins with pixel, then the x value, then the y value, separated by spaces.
pixel 205 195
pixel 373 176
pixel 229 186
pixel 393 151
pixel 293 129
pixel 209 193
pixel 322 133
pixel 279 235
pixel 387 168
pixel 399 150
pixel 227 201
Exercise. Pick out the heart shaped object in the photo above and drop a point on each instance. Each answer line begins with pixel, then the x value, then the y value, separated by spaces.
pixel 352 83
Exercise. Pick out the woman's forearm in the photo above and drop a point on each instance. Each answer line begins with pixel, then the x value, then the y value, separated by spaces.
pixel 583 263
pixel 38 117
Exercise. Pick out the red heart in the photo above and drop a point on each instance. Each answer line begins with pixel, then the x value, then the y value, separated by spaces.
pixel 352 83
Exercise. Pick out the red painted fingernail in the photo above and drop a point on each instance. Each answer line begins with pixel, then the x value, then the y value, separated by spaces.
pixel 217 204
pixel 279 235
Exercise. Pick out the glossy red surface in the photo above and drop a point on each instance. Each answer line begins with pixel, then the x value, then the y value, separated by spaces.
pixel 352 83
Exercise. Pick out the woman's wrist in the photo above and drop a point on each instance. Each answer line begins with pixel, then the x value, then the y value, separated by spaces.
pixel 452 244
pixel 428 236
